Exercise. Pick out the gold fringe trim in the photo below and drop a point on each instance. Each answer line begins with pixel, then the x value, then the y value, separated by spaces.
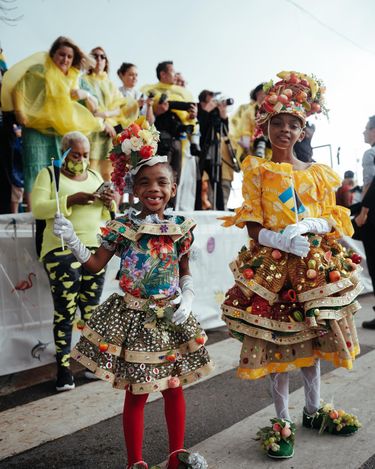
pixel 143 357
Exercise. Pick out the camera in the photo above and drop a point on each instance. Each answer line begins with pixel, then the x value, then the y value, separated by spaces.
pixel 176 105
pixel 220 98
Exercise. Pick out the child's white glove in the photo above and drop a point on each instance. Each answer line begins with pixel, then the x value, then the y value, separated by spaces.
pixel 183 312
pixel 307 225
pixel 64 228
pixel 298 245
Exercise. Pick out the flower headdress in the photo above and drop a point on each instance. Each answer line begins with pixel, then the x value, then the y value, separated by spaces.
pixel 134 148
pixel 296 93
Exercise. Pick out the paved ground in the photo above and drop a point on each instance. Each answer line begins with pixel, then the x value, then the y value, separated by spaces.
pixel 82 428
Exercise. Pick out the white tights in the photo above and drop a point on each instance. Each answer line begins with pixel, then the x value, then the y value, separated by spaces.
pixel 311 384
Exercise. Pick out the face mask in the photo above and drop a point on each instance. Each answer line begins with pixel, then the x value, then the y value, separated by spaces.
pixel 76 168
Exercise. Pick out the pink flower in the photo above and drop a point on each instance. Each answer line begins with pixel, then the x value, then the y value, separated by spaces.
pixel 276 427
pixel 285 432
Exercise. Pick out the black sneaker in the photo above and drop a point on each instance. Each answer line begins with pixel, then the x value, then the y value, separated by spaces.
pixel 65 380
pixel 369 324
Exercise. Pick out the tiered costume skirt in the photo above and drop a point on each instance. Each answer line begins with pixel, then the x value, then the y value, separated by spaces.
pixel 289 311
pixel 141 356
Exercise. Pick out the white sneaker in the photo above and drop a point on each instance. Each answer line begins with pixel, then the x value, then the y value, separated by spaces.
pixel 90 375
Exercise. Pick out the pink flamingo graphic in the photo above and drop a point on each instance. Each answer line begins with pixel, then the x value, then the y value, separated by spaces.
pixel 25 284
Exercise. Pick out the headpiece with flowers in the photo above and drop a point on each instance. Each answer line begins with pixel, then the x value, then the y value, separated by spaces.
pixel 134 148
pixel 296 93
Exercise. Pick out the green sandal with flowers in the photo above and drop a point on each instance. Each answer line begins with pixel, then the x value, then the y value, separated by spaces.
pixel 278 440
pixel 328 419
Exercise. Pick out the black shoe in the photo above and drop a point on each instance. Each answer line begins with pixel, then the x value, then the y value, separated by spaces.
pixel 369 324
pixel 65 381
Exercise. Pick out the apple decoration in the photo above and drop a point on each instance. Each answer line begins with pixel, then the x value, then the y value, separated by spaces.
pixel 311 274
pixel 276 254
pixel 248 274
pixel 356 258
pixel 199 340
pixel 174 382
pixel 171 357
pixel 334 276
pixel 103 346
pixel 80 324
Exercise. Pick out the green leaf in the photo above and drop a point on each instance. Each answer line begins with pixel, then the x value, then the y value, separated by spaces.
pixel 257 262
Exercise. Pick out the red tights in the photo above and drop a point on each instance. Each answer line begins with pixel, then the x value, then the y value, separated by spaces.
pixel 133 423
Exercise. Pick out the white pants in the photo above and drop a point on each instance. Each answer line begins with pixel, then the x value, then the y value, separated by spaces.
pixel 311 384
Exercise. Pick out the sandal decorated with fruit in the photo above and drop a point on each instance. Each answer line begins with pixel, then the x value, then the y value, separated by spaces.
pixel 328 419
pixel 187 460
pixel 278 440
pixel 138 465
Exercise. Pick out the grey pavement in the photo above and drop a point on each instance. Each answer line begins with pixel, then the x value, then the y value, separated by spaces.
pixel 83 428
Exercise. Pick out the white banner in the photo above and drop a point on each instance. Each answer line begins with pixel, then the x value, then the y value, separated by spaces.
pixel 26 308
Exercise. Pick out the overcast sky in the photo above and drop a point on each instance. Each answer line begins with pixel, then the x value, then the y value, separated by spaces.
pixel 228 46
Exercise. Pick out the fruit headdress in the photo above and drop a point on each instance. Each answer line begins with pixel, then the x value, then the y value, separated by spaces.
pixel 134 148
pixel 296 93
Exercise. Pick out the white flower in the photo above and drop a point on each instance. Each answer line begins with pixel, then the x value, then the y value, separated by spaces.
pixel 197 461
pixel 136 143
pixel 126 146
pixel 146 136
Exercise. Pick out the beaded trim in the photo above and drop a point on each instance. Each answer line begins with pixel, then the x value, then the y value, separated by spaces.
pixel 250 318
pixel 335 301
pixel 270 336
pixel 141 388
pixel 143 357
pixel 324 314
pixel 174 231
pixel 252 285
pixel 323 291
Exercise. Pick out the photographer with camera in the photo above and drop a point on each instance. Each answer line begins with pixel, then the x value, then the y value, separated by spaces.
pixel 217 158
pixel 175 116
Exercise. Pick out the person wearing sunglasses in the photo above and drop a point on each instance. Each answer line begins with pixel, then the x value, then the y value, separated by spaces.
pixel 113 108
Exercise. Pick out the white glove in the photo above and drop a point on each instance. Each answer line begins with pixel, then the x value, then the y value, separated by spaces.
pixel 64 228
pixel 272 239
pixel 183 312
pixel 307 225
pixel 298 245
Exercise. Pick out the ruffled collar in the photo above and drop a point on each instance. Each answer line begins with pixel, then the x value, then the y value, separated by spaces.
pixel 133 215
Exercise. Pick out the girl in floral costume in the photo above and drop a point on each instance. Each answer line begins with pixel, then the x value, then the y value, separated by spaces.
pixel 147 340
pixel 294 298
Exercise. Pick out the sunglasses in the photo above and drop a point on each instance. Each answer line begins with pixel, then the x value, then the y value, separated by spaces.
pixel 99 56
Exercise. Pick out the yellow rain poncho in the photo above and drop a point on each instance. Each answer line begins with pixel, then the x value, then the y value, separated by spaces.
pixel 174 93
pixel 40 95
pixel 110 98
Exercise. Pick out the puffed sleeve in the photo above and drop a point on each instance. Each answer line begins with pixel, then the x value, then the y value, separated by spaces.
pixel 184 244
pixel 328 182
pixel 251 208
pixel 111 237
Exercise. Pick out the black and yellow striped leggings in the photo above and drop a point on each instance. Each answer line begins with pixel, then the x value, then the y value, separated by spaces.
pixel 71 286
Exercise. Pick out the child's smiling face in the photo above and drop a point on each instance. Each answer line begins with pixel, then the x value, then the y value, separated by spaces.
pixel 284 130
pixel 154 186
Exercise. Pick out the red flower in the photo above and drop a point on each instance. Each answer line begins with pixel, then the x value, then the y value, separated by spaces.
pixel 124 135
pixel 126 284
pixel 146 151
pixel 136 292
pixel 133 129
pixel 160 247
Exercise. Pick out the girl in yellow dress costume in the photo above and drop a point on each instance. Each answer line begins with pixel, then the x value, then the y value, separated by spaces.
pixel 295 285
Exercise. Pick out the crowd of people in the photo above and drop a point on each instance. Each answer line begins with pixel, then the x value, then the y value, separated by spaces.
pixel 294 298
pixel 49 94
